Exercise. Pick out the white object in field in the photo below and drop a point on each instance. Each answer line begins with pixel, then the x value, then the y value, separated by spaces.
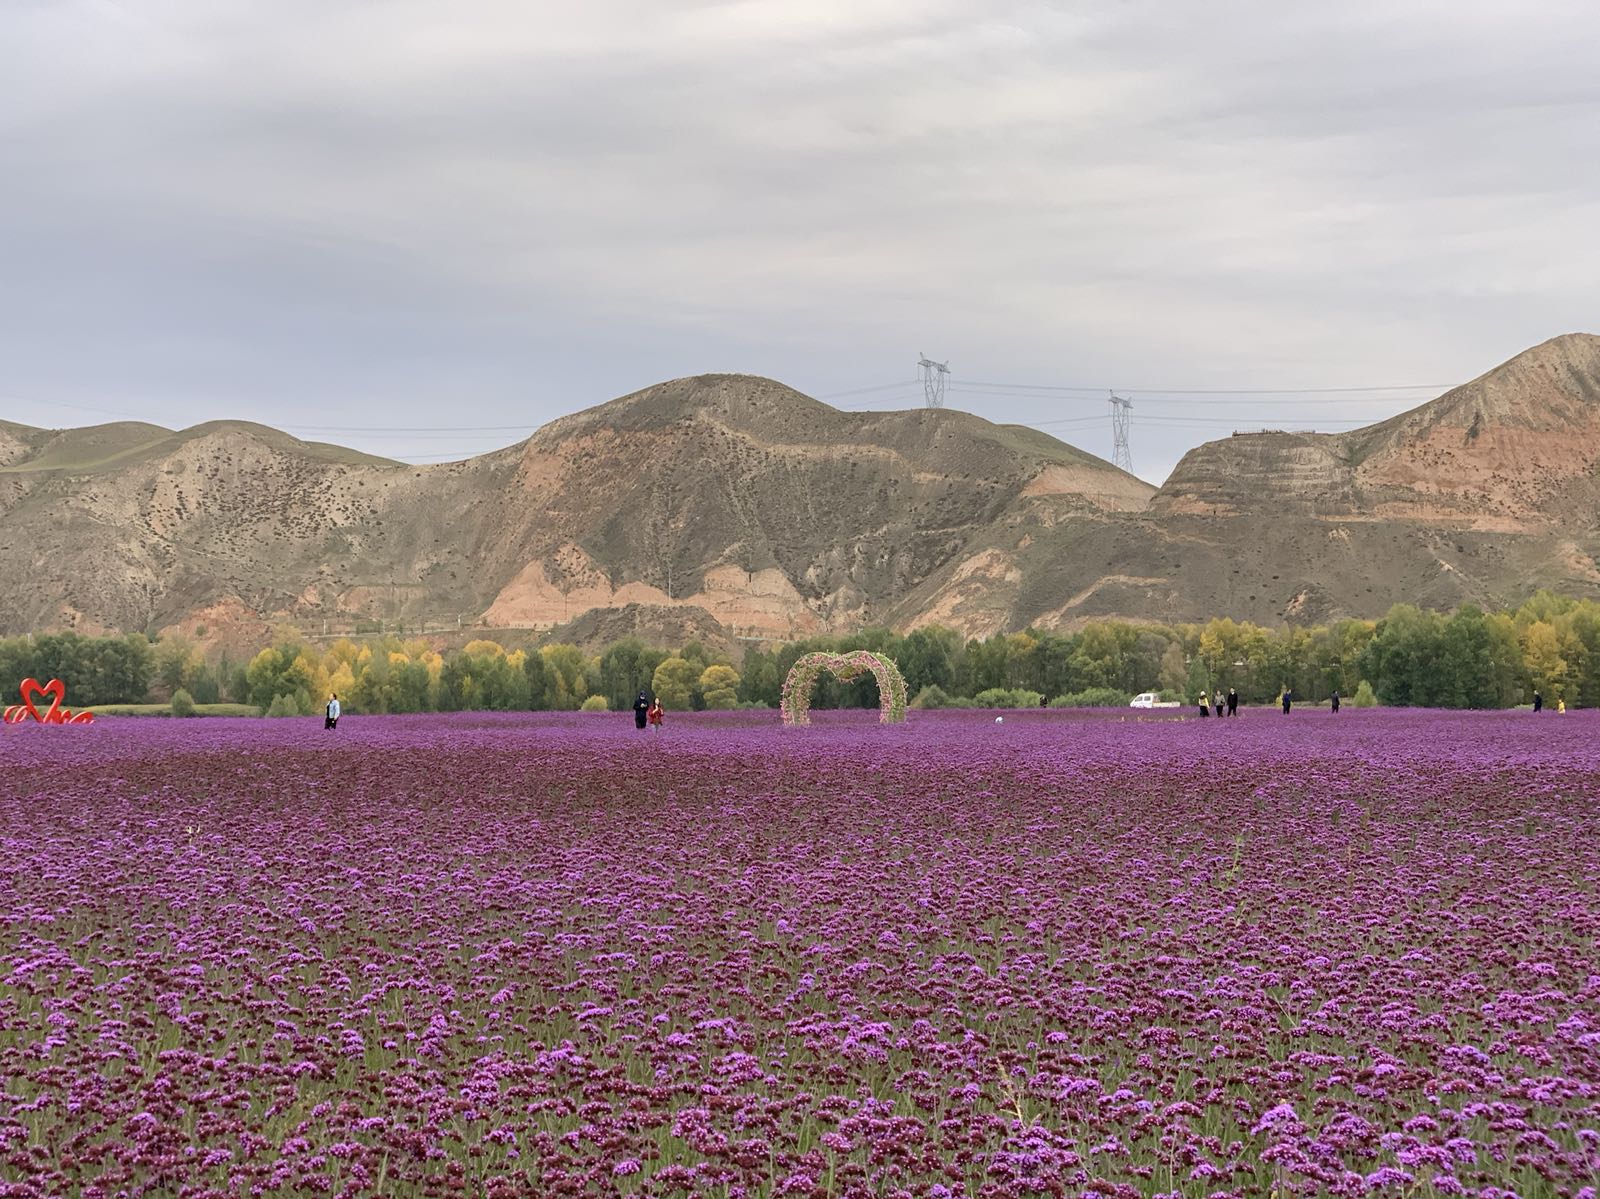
pixel 1151 699
pixel 999 719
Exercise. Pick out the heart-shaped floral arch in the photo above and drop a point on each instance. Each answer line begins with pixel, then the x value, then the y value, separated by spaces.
pixel 802 680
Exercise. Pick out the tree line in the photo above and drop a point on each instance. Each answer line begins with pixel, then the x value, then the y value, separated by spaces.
pixel 1464 659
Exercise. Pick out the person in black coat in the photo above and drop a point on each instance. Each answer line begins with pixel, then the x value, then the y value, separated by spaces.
pixel 1233 702
pixel 1288 698
pixel 641 708
pixel 1333 700
pixel 1538 701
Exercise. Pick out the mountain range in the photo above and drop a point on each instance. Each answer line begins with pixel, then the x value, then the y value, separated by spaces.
pixel 732 504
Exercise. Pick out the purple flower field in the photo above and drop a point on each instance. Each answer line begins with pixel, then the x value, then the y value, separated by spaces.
pixel 548 955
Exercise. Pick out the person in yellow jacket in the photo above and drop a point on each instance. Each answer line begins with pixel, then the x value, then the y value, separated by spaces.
pixel 1561 706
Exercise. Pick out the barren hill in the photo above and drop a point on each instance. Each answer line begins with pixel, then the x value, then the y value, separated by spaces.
pixel 773 512
pixel 1499 454
pixel 779 516
pixel 1481 495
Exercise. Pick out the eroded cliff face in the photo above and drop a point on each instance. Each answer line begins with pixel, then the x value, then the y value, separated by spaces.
pixel 1300 473
pixel 1515 450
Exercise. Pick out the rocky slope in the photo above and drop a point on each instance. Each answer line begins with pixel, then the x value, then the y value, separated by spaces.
pixel 774 513
pixel 1481 495
pixel 741 502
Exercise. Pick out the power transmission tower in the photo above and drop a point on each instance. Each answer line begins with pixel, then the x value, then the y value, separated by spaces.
pixel 1121 455
pixel 933 377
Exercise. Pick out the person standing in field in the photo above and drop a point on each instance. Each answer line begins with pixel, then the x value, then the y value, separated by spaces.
pixel 641 709
pixel 1333 700
pixel 1561 706
pixel 655 715
pixel 331 721
pixel 1204 711
pixel 1233 702
pixel 1288 698
pixel 1216 702
pixel 1538 701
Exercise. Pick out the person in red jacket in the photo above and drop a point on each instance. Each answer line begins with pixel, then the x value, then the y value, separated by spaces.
pixel 656 713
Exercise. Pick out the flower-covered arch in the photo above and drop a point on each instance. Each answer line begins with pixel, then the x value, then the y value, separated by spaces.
pixel 802 680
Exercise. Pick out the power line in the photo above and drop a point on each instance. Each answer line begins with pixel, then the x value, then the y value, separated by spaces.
pixel 861 391
pixel 410 428
pixel 1231 420
pixel 964 384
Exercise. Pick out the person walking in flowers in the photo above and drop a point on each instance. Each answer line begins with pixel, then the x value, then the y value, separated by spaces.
pixel 1561 705
pixel 331 720
pixel 655 715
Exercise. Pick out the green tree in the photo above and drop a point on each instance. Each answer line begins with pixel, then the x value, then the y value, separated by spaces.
pixel 626 668
pixel 1400 658
pixel 284 705
pixel 1466 673
pixel 924 661
pixel 177 661
pixel 1173 678
pixel 761 682
pixel 536 682
pixel 567 676
pixel 986 664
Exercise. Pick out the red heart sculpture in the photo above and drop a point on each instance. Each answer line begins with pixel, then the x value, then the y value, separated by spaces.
pixel 55 688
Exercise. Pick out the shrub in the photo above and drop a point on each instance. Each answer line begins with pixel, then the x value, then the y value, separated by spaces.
pixel 182 703
pixel 1364 697
pixel 1006 697
pixel 283 705
pixel 595 703
pixel 933 696
pixel 722 699
pixel 1093 697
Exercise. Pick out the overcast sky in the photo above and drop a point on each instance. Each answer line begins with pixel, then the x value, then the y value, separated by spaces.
pixel 375 216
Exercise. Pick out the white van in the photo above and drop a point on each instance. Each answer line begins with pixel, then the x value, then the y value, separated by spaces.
pixel 1145 699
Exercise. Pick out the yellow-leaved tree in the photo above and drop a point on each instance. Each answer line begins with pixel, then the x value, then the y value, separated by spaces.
pixel 720 686
pixel 674 682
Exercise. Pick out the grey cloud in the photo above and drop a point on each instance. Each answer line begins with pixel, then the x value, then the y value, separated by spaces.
pixel 350 213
